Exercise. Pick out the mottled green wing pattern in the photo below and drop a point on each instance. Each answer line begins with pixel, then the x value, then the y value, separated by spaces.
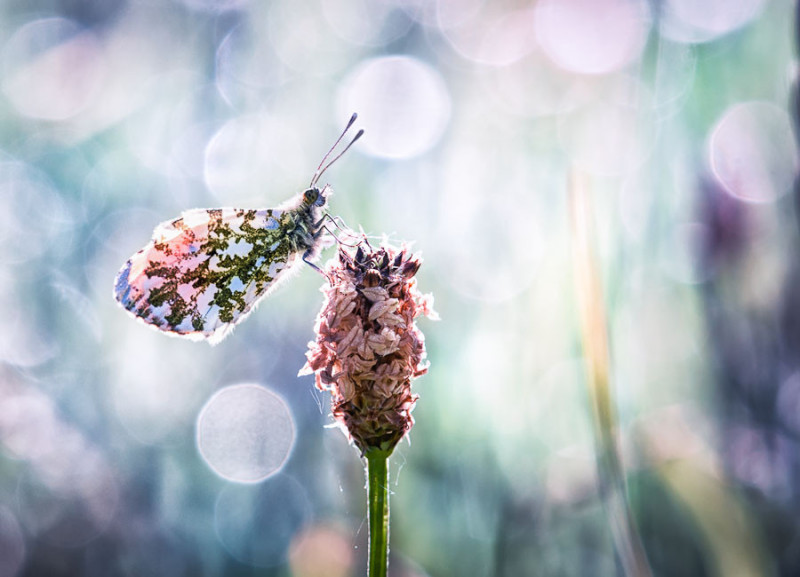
pixel 204 272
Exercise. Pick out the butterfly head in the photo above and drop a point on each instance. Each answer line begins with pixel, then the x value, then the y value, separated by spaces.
pixel 315 197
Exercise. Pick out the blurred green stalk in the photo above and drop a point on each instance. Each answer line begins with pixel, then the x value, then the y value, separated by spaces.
pixel 378 507
pixel 611 472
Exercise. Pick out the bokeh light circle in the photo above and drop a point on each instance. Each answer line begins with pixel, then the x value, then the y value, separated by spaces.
pixel 249 151
pixel 366 22
pixel 246 70
pixel 27 231
pixel 494 38
pixel 614 133
pixel 403 101
pixel 752 152
pixel 70 498
pixel 154 401
pixel 321 551
pixel 453 13
pixel 318 53
pixel 52 69
pixel 257 523
pixel 592 36
pixel 508 39
pixel 691 21
pixel 245 433
pixel 479 194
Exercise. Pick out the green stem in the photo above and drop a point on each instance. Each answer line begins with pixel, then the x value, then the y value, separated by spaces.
pixel 594 332
pixel 378 499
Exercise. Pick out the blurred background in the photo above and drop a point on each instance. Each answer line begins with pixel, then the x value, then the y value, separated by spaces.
pixel 125 452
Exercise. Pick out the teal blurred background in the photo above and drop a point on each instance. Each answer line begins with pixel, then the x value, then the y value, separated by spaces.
pixel 125 452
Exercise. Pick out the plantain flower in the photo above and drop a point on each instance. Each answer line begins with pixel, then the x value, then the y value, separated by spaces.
pixel 368 347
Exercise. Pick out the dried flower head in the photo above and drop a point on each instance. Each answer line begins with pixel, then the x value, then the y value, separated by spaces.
pixel 368 347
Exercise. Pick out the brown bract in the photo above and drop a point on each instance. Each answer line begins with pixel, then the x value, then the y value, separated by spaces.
pixel 368 347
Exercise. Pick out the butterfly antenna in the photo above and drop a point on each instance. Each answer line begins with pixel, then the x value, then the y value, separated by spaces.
pixel 358 135
pixel 320 170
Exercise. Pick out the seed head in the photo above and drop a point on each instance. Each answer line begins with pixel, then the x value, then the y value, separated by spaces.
pixel 368 347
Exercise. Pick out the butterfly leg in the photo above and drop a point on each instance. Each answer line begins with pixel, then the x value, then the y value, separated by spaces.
pixel 340 241
pixel 306 260
pixel 322 226
pixel 337 221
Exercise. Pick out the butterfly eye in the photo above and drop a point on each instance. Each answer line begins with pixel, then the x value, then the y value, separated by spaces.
pixel 311 195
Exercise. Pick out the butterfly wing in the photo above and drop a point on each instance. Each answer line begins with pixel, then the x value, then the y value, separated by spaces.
pixel 202 273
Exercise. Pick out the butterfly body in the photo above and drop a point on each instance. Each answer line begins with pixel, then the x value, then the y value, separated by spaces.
pixel 202 273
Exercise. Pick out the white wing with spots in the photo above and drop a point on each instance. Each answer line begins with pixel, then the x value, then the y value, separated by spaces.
pixel 202 273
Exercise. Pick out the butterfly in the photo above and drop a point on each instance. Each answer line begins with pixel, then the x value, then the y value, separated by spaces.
pixel 204 272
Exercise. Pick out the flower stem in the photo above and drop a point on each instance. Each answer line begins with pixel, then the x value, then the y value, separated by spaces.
pixel 378 505
pixel 594 327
